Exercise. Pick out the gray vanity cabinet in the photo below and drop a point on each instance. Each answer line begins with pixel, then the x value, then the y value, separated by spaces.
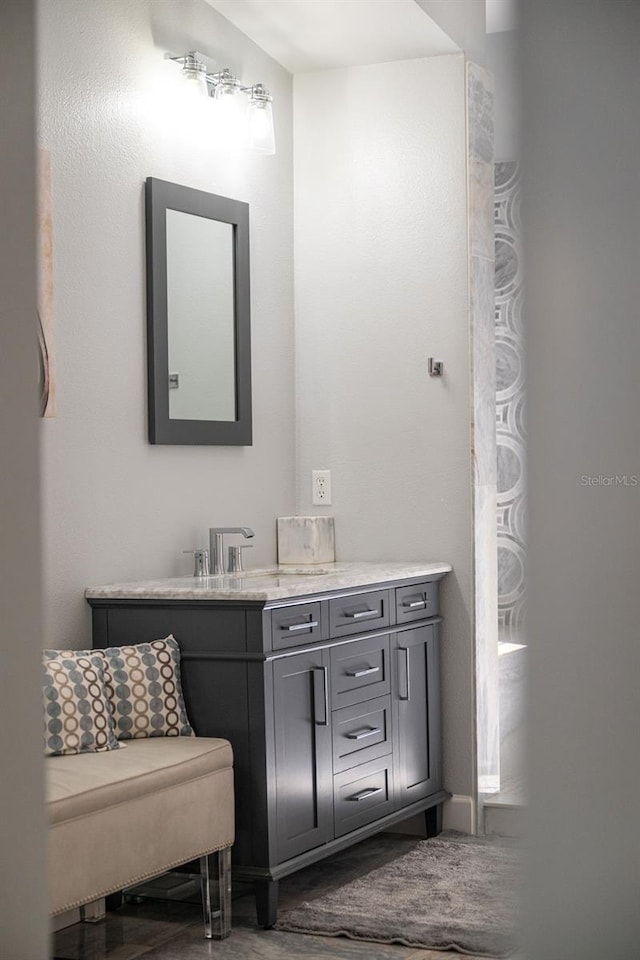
pixel 302 742
pixel 331 703
pixel 417 704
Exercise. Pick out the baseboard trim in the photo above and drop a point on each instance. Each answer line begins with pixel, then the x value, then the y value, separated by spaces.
pixel 459 813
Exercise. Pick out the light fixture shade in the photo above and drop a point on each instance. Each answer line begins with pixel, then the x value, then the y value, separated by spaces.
pixel 195 72
pixel 261 137
pixel 226 85
pixel 229 110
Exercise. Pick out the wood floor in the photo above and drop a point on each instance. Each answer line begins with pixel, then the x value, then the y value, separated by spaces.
pixel 173 930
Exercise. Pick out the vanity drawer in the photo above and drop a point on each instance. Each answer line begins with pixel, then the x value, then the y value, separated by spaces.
pixel 361 732
pixel 362 794
pixel 360 671
pixel 358 613
pixel 295 625
pixel 417 602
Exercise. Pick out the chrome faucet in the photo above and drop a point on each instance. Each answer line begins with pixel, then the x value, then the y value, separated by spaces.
pixel 216 546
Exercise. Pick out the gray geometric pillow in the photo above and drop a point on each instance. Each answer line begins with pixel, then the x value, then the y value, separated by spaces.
pixel 144 690
pixel 77 717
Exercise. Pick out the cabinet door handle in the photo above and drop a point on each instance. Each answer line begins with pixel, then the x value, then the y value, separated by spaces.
pixel 362 734
pixel 320 696
pixel 307 625
pixel 362 673
pixel 364 794
pixel 362 614
pixel 414 604
pixel 404 689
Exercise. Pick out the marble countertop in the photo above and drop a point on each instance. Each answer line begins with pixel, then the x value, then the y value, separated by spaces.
pixel 269 583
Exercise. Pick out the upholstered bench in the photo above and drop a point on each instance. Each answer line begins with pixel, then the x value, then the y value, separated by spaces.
pixel 120 817
pixel 131 791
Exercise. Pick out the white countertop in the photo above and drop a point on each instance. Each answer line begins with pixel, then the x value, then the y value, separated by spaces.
pixel 270 583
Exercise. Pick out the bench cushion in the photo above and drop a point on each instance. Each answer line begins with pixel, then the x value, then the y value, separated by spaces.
pixel 101 780
pixel 120 817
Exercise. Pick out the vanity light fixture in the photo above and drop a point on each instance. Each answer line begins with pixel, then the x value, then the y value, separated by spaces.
pixel 223 87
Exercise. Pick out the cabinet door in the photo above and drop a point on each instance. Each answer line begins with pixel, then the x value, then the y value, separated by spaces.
pixel 416 699
pixel 304 780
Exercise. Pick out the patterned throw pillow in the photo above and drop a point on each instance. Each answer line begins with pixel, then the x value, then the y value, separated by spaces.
pixel 144 690
pixel 77 716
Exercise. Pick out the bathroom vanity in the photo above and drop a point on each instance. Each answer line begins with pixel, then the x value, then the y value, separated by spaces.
pixel 327 685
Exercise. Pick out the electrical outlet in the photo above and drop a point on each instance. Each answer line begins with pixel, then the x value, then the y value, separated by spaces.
pixel 321 488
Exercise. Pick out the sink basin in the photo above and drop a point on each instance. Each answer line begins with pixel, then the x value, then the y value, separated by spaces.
pixel 289 571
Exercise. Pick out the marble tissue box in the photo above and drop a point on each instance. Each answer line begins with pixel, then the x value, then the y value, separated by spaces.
pixel 306 540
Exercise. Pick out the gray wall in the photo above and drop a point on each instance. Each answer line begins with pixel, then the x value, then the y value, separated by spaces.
pixel 23 930
pixel 582 211
pixel 113 113
pixel 382 284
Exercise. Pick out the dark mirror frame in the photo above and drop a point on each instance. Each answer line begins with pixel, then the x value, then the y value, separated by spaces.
pixel 160 196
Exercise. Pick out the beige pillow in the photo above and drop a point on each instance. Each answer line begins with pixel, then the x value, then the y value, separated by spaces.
pixel 143 687
pixel 77 714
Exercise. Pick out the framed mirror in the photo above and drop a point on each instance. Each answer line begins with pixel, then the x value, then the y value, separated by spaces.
pixel 198 317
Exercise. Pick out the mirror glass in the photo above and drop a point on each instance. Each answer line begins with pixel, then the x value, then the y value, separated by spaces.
pixel 198 316
pixel 200 311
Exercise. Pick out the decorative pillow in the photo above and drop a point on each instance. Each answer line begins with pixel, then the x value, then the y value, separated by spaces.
pixel 77 714
pixel 144 690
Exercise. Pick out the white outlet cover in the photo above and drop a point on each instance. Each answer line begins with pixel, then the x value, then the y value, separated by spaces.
pixel 321 488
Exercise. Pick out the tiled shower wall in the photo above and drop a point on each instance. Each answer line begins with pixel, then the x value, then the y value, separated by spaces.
pixel 510 404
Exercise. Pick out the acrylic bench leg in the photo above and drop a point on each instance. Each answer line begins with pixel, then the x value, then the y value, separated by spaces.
pixel 215 872
pixel 93 912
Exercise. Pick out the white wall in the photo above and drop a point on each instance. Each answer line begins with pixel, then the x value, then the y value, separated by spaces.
pixel 23 928
pixel 116 508
pixel 581 216
pixel 381 285
pixel 502 61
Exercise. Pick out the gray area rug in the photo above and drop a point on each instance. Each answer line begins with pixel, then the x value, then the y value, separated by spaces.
pixel 453 892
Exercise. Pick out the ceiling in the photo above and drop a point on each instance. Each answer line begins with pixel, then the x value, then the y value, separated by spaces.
pixel 305 35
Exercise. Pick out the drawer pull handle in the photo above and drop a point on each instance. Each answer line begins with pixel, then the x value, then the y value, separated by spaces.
pixel 362 734
pixel 414 604
pixel 321 696
pixel 363 673
pixel 365 794
pixel 404 691
pixel 308 625
pixel 362 614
